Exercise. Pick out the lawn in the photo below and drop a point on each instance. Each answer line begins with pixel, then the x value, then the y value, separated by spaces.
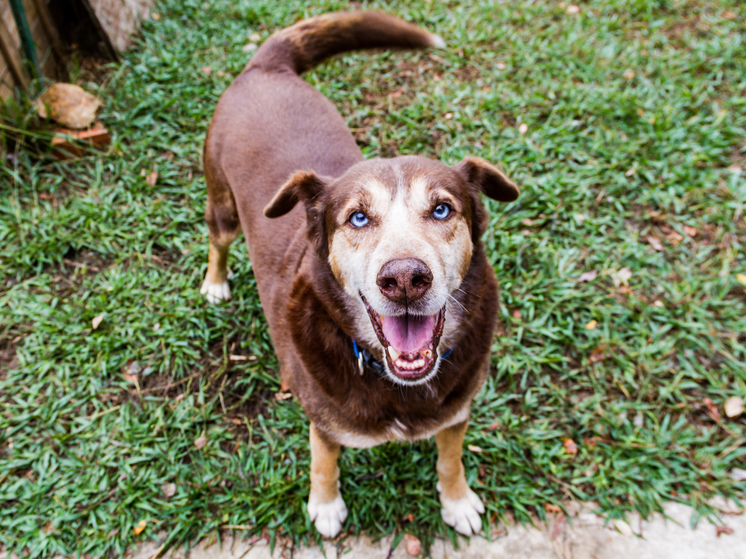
pixel 622 268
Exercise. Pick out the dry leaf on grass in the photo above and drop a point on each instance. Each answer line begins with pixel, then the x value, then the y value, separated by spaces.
pixel 249 47
pixel 741 278
pixel 152 178
pixel 96 322
pixel 255 37
pixel 621 277
pixel 655 242
pixel 200 442
pixel 523 128
pixel 598 354
pixel 206 70
pixel 516 314
pixel 140 527
pixel 628 75
pixel 727 530
pixel 711 408
pixel 130 371
pixel 573 9
pixel 591 325
pixel 588 276
pixel 552 508
pixel 494 425
pixel 737 474
pixel 474 448
pixel 631 172
pixel 169 490
pixel 729 15
pixel 734 406
pixel 570 447
pixel 412 544
pixel 691 231
pixel 279 396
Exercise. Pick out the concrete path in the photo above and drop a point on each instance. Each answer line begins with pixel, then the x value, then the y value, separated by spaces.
pixel 587 538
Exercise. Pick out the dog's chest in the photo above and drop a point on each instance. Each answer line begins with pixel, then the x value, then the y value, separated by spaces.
pixel 396 430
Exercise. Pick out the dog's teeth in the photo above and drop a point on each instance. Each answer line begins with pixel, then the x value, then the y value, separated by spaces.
pixel 394 354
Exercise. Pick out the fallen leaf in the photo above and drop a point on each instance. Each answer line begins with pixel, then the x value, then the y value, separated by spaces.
pixel 573 9
pixel 152 178
pixel 494 425
pixel 516 314
pixel 68 104
pixel 631 172
pixel 741 278
pixel 737 474
pixel 658 304
pixel 96 322
pixel 655 243
pixel 130 371
pixel 200 442
pixel 711 408
pixel 249 47
pixel 409 518
pixel 255 37
pixel 474 448
pixel 734 406
pixel 412 544
pixel 140 527
pixel 220 73
pixel 501 65
pixel 691 231
pixel 279 396
pixel 169 490
pixel 552 508
pixel 527 222
pixel 729 15
pixel 398 93
pixel 674 237
pixel 621 277
pixel 624 528
pixel 727 530
pixel 598 354
pixel 588 276
pixel 523 128
pixel 570 447
pixel 449 116
pixel 155 17
pixel 238 358
pixel 206 70
pixel 591 325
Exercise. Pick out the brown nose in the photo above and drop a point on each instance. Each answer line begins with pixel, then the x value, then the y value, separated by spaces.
pixel 404 280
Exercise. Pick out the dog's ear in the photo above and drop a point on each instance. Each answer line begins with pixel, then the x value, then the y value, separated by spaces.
pixel 487 179
pixel 303 186
pixel 306 187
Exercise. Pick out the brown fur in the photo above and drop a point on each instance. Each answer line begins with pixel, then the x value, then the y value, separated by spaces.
pixel 276 142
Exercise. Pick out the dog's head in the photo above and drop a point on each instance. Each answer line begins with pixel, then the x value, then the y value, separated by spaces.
pixel 399 236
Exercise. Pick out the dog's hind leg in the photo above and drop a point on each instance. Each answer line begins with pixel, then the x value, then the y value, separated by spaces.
pixel 325 505
pixel 224 227
pixel 461 506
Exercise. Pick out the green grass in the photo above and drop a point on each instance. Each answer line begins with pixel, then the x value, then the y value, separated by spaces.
pixel 607 162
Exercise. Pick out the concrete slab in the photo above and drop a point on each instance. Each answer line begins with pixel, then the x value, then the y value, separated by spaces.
pixel 585 537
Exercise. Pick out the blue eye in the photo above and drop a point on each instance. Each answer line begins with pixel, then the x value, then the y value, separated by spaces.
pixel 359 219
pixel 442 211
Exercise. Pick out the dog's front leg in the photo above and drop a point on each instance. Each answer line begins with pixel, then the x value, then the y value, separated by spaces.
pixel 461 506
pixel 325 505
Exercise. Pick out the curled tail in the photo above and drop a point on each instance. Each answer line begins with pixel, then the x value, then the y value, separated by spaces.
pixel 302 46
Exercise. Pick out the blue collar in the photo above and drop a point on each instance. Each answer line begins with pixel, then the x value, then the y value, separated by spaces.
pixel 366 359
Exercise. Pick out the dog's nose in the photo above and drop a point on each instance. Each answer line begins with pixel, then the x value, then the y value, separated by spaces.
pixel 404 280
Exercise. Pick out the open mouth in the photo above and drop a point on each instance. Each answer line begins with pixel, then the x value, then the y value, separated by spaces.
pixel 410 342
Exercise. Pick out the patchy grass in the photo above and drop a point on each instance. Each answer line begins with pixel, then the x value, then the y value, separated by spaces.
pixel 625 126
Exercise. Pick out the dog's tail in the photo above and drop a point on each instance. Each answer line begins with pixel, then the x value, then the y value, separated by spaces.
pixel 302 46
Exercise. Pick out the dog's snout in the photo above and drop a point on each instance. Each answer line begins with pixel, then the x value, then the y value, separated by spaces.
pixel 404 280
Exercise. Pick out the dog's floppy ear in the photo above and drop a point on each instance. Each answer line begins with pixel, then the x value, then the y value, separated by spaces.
pixel 303 186
pixel 488 179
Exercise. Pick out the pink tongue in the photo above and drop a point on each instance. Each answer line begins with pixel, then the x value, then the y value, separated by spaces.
pixel 408 333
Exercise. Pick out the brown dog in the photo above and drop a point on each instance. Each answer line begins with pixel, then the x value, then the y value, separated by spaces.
pixel 380 301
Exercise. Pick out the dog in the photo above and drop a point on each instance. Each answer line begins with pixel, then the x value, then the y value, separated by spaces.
pixel 380 301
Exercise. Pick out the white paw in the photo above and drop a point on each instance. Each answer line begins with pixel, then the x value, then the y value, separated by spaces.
pixel 328 517
pixel 463 514
pixel 216 292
